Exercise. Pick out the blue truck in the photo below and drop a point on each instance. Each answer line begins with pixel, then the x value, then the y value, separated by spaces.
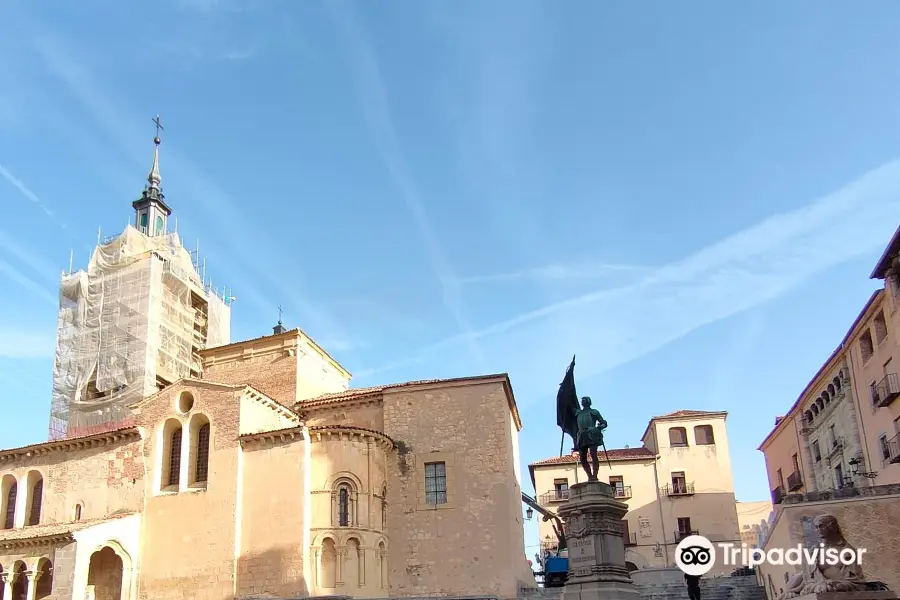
pixel 554 565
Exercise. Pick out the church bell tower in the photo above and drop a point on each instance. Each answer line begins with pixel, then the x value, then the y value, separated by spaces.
pixel 151 213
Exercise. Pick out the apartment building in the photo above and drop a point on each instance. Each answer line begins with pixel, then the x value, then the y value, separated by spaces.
pixel 844 428
pixel 678 483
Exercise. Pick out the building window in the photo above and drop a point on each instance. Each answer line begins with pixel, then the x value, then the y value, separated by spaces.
pixel 37 498
pixel 144 222
pixel 384 508
pixel 833 438
pixel 678 437
pixel 679 482
pixel 202 461
pixel 560 489
pixel 885 448
pixel 159 225
pixel 817 453
pixel 703 435
pixel 880 327
pixel 77 514
pixel 795 462
pixel 11 496
pixel 435 483
pixel 866 347
pixel 618 485
pixel 174 474
pixel 344 506
pixel 780 478
pixel 839 477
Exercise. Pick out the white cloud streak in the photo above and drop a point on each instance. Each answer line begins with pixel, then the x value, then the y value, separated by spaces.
pixel 611 327
pixel 29 195
pixel 551 273
pixel 374 98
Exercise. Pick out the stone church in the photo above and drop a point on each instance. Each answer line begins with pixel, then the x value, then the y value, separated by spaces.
pixel 183 465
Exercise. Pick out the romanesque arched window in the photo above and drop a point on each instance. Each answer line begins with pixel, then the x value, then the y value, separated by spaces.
pixel 344 505
pixel 37 498
pixel 12 495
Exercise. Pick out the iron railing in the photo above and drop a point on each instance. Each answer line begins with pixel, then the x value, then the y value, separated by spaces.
pixel 623 491
pixel 680 488
pixel 777 495
pixel 553 496
pixel 886 390
pixel 683 533
pixel 893 447
pixel 794 481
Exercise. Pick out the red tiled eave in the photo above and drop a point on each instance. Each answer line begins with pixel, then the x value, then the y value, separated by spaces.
pixel 614 454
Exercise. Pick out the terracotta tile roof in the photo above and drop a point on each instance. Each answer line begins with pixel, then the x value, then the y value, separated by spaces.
pixel 34 532
pixel 884 261
pixel 688 413
pixel 376 389
pixel 614 454
pixel 67 443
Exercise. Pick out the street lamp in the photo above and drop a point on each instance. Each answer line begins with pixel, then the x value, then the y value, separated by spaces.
pixel 854 466
pixel 529 513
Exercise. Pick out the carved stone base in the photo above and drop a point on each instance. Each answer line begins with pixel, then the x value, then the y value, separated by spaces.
pixel 594 532
pixel 882 595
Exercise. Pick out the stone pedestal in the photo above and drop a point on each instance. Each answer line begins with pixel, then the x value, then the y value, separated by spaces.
pixel 881 595
pixel 594 532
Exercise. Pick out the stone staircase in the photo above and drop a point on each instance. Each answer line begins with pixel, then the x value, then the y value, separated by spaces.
pixel 673 588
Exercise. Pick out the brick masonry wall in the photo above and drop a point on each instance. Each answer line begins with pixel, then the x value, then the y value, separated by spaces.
pixel 272 373
pixel 188 537
pixel 469 547
pixel 105 479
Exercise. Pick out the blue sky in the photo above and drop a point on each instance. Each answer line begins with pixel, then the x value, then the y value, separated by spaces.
pixel 690 196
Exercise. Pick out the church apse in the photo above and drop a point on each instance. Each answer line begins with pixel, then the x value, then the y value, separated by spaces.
pixel 348 511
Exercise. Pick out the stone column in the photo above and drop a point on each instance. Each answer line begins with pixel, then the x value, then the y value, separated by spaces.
pixel 339 555
pixel 361 564
pixel 317 566
pixel 31 588
pixel 594 532
pixel 6 580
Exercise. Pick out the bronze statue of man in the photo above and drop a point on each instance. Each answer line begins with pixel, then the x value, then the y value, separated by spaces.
pixel 589 437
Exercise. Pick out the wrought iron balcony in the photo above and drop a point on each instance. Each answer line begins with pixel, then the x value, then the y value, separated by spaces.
pixel 630 539
pixel 777 495
pixel 886 390
pixel 794 481
pixel 680 488
pixel 683 533
pixel 554 496
pixel 623 492
pixel 893 446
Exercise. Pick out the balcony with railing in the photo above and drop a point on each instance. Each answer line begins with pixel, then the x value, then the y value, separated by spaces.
pixel 777 495
pixel 893 448
pixel 630 539
pixel 553 496
pixel 622 492
pixel 794 481
pixel 886 390
pixel 683 533
pixel 677 488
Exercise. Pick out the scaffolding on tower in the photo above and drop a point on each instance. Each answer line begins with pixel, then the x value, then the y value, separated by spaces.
pixel 131 323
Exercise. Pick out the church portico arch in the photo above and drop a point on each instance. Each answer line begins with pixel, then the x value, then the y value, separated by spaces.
pixel 109 573
pixel 350 562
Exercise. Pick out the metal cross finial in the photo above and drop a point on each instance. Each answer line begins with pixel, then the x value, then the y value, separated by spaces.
pixel 280 313
pixel 159 126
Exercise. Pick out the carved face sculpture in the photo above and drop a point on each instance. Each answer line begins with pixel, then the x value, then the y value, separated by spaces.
pixel 586 402
pixel 827 527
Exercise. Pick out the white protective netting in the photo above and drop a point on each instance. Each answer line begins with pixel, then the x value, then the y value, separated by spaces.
pixel 137 313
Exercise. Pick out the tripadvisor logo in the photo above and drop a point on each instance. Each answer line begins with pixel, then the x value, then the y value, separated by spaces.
pixel 696 555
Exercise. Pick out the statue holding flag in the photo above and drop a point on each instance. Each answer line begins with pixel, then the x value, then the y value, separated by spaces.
pixel 584 424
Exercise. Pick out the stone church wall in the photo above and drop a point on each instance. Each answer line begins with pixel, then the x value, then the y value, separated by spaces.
pixel 472 545
pixel 188 536
pixel 272 491
pixel 272 370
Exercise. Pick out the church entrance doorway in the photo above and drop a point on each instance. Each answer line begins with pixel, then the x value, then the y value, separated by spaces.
pixel 105 575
